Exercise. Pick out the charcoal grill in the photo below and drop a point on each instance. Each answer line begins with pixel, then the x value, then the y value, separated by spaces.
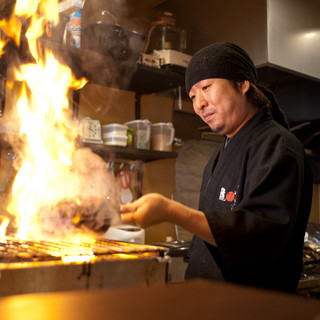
pixel 45 266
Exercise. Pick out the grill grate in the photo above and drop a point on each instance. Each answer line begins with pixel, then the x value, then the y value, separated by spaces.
pixel 13 250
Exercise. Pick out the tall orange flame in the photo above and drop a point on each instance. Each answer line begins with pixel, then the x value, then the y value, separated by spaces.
pixel 46 127
pixel 50 142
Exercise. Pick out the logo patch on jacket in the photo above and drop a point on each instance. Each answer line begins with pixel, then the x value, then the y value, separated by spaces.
pixel 229 196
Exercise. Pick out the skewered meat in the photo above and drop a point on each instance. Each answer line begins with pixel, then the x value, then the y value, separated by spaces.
pixel 73 215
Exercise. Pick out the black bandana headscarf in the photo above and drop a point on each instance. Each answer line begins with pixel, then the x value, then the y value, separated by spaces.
pixel 226 60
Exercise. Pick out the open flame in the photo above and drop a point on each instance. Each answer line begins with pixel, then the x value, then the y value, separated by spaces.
pixel 51 171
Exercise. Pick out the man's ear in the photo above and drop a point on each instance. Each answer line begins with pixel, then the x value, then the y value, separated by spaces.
pixel 244 86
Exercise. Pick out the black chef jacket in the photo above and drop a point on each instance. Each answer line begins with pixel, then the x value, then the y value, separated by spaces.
pixel 256 194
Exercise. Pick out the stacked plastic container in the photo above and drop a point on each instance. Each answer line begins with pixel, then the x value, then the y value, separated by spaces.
pixel 115 134
pixel 142 135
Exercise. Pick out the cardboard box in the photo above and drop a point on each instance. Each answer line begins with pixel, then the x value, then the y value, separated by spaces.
pixel 69 6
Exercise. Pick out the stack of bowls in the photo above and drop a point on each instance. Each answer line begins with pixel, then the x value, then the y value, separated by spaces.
pixel 115 134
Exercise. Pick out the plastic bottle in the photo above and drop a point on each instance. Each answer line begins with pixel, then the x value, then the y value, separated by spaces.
pixel 74 28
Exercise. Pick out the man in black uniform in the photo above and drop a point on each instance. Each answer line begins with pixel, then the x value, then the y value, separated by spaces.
pixel 256 190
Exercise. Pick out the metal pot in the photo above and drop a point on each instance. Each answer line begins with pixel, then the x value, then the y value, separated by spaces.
pixel 113 40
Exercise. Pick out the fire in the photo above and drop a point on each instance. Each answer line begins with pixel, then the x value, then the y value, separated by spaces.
pixel 46 174
pixel 11 28
pixel 43 100
pixel 78 259
pixel 3 227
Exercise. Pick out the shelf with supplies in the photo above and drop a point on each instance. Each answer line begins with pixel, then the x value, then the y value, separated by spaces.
pixel 130 153
pixel 100 69
pixel 103 70
pixel 92 133
pixel 104 151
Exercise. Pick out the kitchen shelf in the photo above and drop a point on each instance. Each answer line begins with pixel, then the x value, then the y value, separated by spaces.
pixel 102 70
pixel 104 151
pixel 117 152
pixel 151 80
pixel 143 80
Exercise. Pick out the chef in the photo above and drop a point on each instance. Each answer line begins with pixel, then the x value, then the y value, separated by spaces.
pixel 256 190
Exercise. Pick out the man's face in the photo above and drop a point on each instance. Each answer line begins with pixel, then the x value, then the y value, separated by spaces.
pixel 223 107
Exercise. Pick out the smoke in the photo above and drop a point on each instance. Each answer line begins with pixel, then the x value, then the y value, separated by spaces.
pixel 114 47
pixel 86 200
pixel 118 8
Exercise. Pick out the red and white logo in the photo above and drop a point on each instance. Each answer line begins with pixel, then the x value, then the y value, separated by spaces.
pixel 229 196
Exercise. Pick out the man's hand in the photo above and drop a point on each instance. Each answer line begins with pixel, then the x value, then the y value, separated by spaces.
pixel 148 210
